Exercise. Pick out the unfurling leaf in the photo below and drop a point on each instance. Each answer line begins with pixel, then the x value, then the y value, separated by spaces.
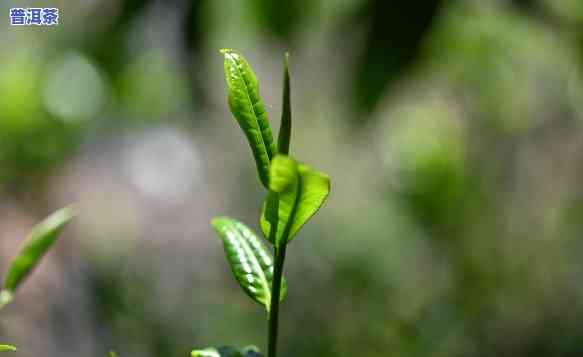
pixel 300 190
pixel 247 106
pixel 250 262
pixel 34 248
pixel 284 137
pixel 250 351
pixel 7 348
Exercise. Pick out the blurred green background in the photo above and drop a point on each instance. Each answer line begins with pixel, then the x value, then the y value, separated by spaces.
pixel 452 130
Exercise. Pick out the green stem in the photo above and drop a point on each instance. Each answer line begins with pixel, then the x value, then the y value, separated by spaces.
pixel 275 298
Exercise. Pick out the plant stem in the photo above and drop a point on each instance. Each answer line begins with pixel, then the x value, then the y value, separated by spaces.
pixel 275 297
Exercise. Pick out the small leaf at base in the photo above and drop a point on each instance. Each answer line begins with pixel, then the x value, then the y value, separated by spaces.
pixel 7 348
pixel 207 352
pixel 227 351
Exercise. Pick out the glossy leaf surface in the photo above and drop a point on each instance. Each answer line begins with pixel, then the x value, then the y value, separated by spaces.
pixel 247 106
pixel 251 263
pixel 284 138
pixel 40 240
pixel 7 348
pixel 250 351
pixel 301 191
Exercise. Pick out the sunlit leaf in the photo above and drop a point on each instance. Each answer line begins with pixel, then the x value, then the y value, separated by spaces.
pixel 40 240
pixel 250 262
pixel 112 353
pixel 7 348
pixel 247 106
pixel 284 137
pixel 301 191
pixel 250 351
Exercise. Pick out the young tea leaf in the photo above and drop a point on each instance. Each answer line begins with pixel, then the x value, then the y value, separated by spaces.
pixel 284 137
pixel 301 191
pixel 34 248
pixel 251 264
pixel 7 348
pixel 247 106
pixel 250 351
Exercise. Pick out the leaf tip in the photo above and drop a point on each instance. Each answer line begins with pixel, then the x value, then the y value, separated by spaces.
pixel 6 297
pixel 229 53
pixel 286 56
pixel 58 219
pixel 69 212
pixel 217 222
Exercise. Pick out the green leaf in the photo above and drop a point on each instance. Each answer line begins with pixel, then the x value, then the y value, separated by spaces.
pixel 250 262
pixel 247 106
pixel 207 352
pixel 34 248
pixel 284 137
pixel 301 191
pixel 112 353
pixel 7 348
pixel 249 351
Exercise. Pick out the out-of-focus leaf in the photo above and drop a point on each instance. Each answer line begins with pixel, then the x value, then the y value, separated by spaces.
pixel 284 137
pixel 247 106
pixel 7 348
pixel 250 262
pixel 112 353
pixel 207 352
pixel 249 351
pixel 35 247
pixel 389 48
pixel 301 191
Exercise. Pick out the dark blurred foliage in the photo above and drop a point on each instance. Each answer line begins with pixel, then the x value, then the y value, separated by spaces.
pixel 282 18
pixel 395 30
pixel 452 131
